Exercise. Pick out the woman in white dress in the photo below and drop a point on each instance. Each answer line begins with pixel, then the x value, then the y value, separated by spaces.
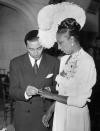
pixel 75 81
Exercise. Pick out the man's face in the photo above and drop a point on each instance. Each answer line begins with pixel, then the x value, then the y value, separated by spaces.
pixel 35 49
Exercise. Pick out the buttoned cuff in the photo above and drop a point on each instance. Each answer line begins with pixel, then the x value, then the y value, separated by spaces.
pixel 26 96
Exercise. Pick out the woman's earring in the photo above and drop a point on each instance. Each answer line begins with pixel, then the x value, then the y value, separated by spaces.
pixel 72 44
pixel 72 40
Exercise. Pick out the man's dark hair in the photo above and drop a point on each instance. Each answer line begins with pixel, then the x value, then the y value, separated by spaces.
pixel 31 36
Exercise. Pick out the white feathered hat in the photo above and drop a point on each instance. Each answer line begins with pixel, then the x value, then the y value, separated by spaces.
pixel 50 16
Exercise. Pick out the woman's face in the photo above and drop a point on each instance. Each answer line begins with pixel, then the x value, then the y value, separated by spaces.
pixel 65 43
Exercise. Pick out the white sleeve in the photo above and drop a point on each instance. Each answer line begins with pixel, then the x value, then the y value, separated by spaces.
pixel 26 96
pixel 84 82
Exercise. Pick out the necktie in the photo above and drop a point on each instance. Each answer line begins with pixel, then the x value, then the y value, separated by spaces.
pixel 35 67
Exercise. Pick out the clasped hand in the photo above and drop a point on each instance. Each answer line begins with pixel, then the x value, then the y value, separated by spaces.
pixel 46 92
pixel 31 90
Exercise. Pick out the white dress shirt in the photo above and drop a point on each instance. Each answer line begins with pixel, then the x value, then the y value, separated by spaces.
pixel 32 60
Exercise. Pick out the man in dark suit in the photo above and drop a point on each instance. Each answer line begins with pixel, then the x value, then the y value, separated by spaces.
pixel 26 77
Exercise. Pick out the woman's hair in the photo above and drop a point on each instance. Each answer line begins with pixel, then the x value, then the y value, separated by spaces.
pixel 70 25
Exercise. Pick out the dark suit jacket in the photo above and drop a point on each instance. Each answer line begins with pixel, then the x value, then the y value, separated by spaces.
pixel 28 113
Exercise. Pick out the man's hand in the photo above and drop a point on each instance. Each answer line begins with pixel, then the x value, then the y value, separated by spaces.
pixel 31 90
pixel 46 118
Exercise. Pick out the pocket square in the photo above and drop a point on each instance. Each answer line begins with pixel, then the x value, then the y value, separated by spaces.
pixel 49 75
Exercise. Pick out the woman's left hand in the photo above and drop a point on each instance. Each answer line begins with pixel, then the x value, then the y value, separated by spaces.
pixel 45 94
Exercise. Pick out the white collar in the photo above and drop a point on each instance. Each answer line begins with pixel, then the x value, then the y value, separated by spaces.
pixel 32 60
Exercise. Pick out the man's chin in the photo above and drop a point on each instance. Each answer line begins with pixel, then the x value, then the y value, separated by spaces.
pixel 37 58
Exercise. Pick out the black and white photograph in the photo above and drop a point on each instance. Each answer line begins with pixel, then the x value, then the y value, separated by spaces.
pixel 49 65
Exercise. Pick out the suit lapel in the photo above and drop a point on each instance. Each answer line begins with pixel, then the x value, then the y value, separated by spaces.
pixel 27 66
pixel 27 62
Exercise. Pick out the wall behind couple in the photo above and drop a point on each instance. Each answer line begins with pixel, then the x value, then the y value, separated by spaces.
pixel 16 20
